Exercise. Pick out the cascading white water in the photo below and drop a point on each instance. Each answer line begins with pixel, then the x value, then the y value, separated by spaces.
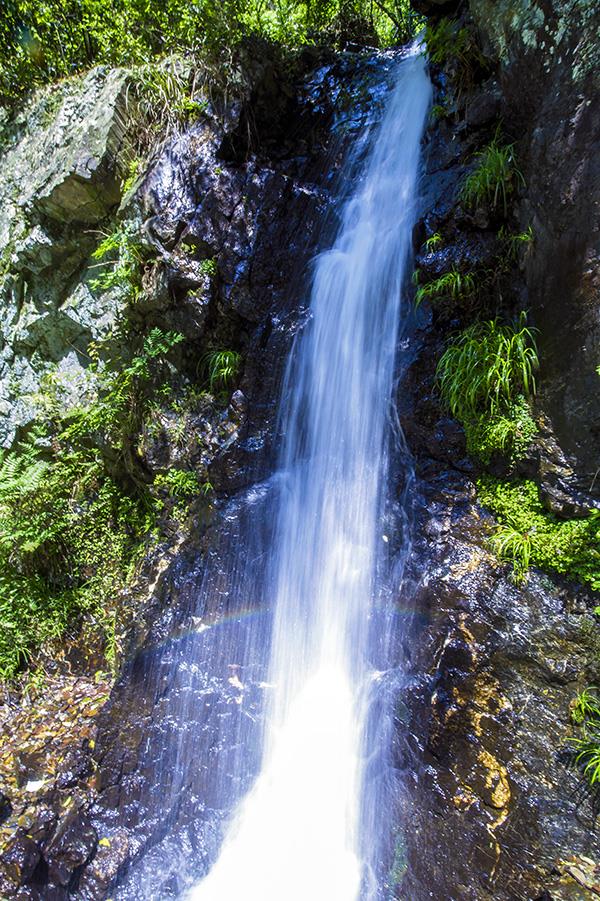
pixel 297 834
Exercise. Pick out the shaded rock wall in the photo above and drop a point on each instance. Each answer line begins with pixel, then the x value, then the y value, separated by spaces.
pixel 495 667
pixel 549 60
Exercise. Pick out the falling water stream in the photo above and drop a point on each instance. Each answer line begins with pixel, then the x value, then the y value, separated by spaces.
pixel 304 832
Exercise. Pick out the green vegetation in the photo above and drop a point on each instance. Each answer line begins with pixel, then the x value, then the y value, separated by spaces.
pixel 44 40
pixel 209 267
pixel 434 241
pixel 453 285
pixel 486 366
pixel 494 179
pixel 68 537
pixel 485 376
pixel 586 706
pixel 116 410
pixel 528 535
pixel 71 525
pixel 509 433
pixel 516 242
pixel 454 47
pixel 178 483
pixel 585 712
pixel 121 258
pixel 222 367
pixel 134 170
pixel 438 111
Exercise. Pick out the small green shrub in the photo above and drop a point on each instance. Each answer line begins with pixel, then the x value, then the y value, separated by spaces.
pixel 516 548
pixel 486 367
pixel 485 376
pixel 585 712
pixel 69 531
pixel 494 179
pixel 68 536
pixel 209 267
pixel 121 259
pixel 222 368
pixel 586 706
pixel 516 242
pixel 116 409
pixel 509 432
pixel 452 285
pixel 445 41
pixel 133 171
pixel 437 112
pixel 434 242
pixel 456 48
pixel 528 535
pixel 178 483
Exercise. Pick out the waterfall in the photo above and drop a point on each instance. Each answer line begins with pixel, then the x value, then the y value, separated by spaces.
pixel 304 831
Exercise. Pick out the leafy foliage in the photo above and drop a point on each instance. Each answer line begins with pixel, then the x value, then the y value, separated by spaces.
pixel 179 483
pixel 121 258
pixel 494 178
pixel 44 40
pixel 528 535
pixel 434 241
pixel 112 416
pixel 69 531
pixel 222 367
pixel 585 712
pixel 455 47
pixel 516 242
pixel 509 432
pixel 209 267
pixel 486 366
pixel 452 285
pixel 485 376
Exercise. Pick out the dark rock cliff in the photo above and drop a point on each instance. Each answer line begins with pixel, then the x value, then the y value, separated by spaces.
pixel 496 808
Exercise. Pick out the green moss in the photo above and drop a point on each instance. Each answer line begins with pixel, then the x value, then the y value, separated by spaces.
pixel 509 433
pixel 528 535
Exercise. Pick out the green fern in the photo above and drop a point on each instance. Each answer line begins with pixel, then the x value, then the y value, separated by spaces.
pixel 121 259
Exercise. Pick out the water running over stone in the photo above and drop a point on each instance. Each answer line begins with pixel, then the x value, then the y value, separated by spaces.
pixel 297 834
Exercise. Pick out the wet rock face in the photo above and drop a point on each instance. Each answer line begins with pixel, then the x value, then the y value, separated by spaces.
pixel 495 666
pixel 549 64
pixel 495 669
